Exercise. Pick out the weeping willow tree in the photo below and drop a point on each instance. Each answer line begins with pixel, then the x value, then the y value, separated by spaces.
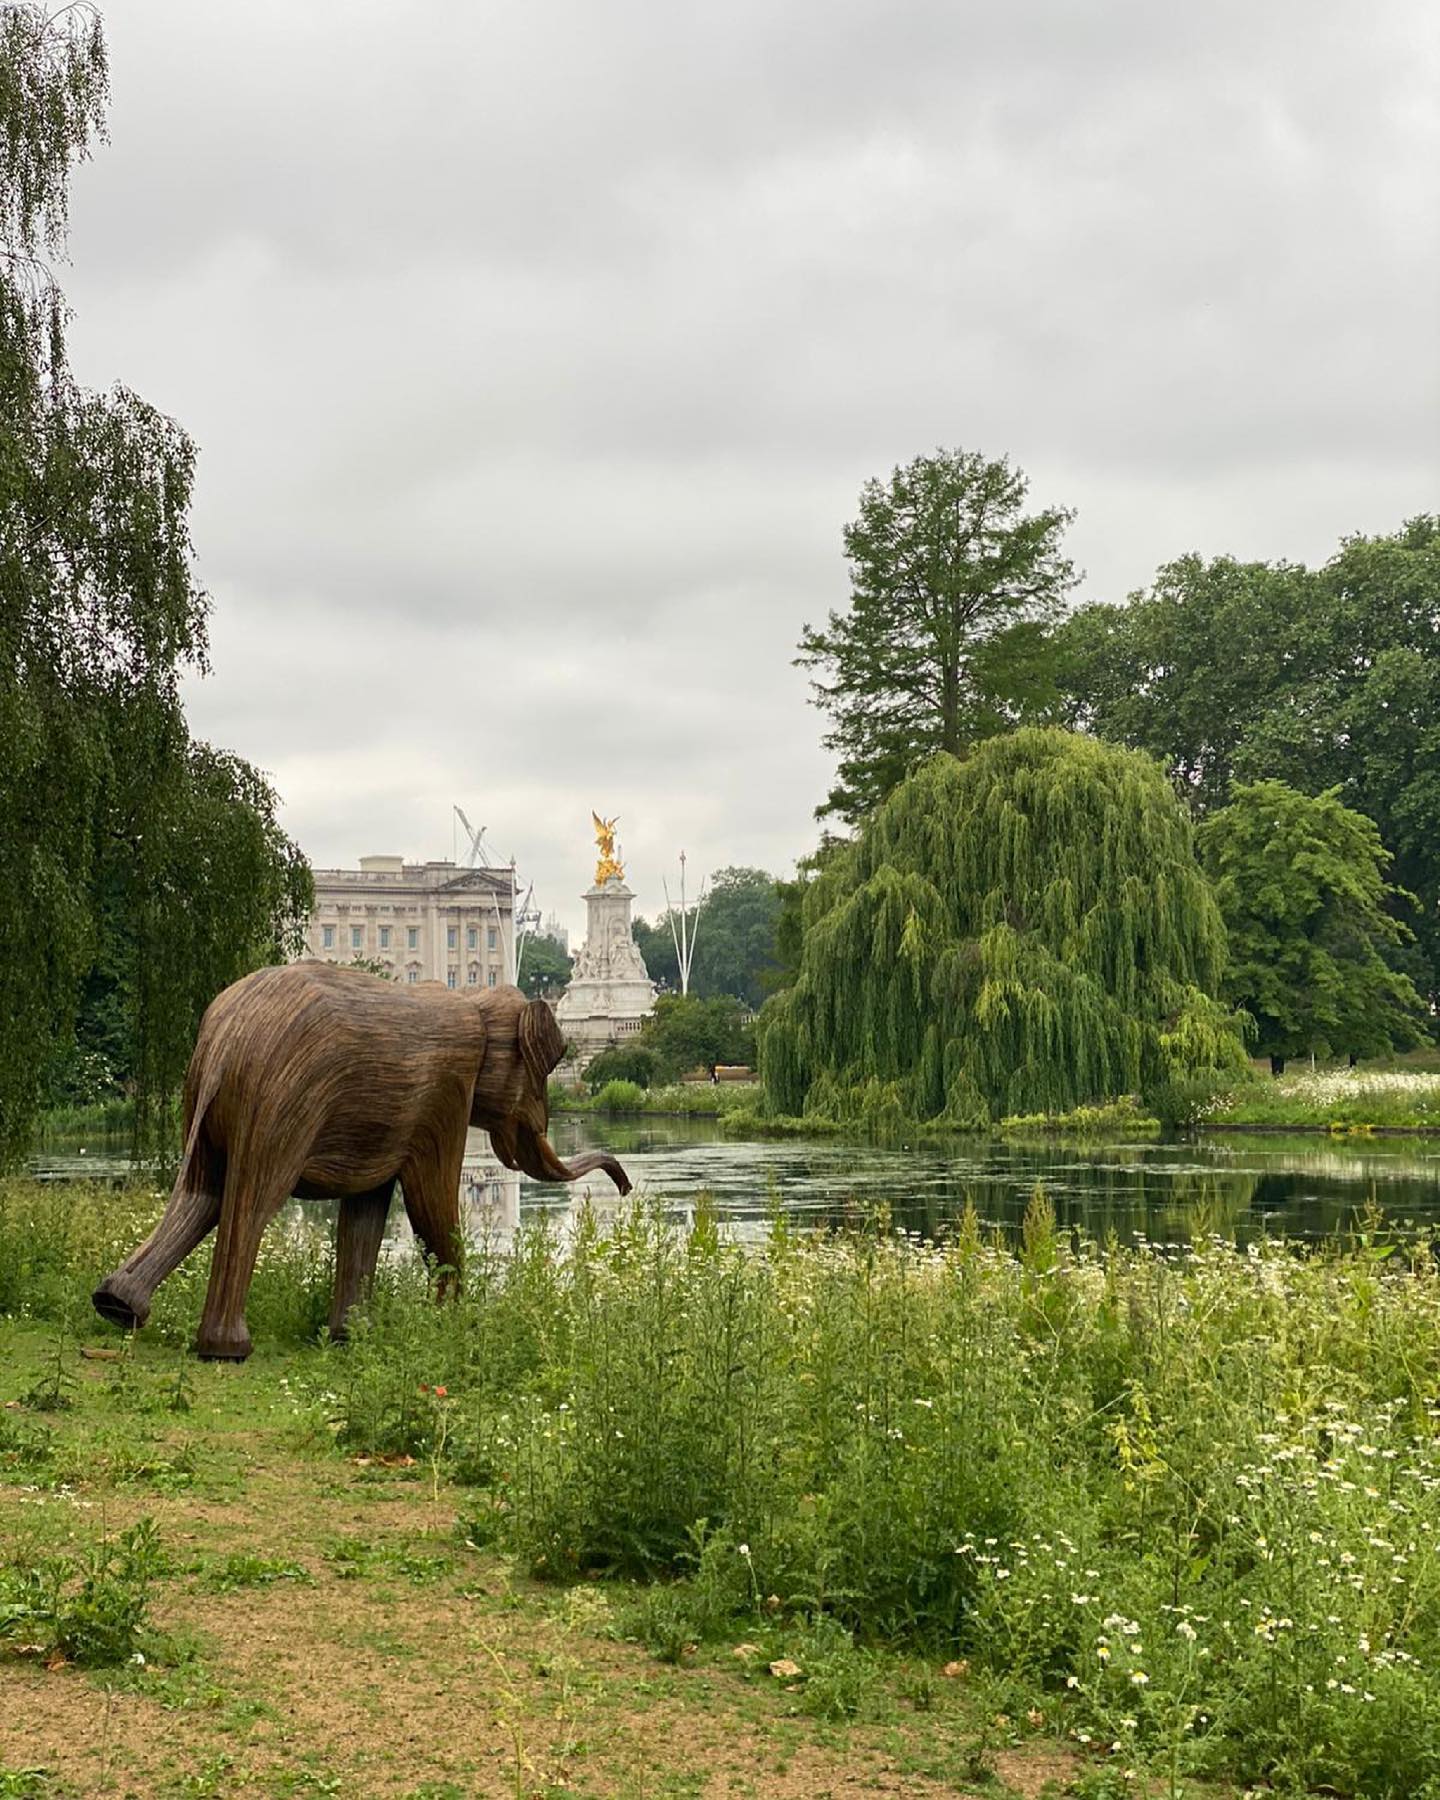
pixel 1023 931
pixel 139 870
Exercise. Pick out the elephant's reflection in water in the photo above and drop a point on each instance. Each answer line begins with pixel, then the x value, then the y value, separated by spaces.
pixel 490 1206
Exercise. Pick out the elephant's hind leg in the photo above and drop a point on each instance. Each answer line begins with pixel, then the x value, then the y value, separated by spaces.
pixel 190 1215
pixel 358 1234
pixel 252 1198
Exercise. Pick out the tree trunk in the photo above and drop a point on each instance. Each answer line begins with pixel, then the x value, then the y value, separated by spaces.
pixel 950 707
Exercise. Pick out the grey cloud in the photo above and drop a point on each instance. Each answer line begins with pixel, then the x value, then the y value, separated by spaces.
pixel 536 353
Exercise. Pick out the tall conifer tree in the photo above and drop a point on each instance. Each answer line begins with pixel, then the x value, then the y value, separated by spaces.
pixel 943 644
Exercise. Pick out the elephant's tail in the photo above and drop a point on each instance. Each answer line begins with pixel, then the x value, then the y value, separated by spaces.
pixel 205 1090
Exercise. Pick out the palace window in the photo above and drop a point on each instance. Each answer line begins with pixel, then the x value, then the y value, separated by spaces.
pixel 412 937
pixel 491 936
pixel 490 982
pixel 357 936
pixel 384 937
pixel 450 975
pixel 452 937
pixel 471 938
pixel 412 974
pixel 327 937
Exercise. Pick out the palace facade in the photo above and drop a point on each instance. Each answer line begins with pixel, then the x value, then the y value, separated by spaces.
pixel 433 921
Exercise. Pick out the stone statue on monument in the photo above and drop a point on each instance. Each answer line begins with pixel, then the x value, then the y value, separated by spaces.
pixel 610 993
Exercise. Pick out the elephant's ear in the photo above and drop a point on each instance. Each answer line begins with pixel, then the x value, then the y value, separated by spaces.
pixel 541 1045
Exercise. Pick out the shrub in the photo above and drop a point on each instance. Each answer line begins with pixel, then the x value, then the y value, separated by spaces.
pixel 1180 1102
pixel 55 1240
pixel 837 1677
pixel 666 1620
pixel 1112 1118
pixel 620 1097
pixel 1399 1099
pixel 628 1062
pixel 1189 1500
pixel 1182 1494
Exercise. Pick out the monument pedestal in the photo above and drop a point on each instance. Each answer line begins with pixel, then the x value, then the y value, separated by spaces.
pixel 610 995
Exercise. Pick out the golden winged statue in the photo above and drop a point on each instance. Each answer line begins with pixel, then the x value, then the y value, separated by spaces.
pixel 608 867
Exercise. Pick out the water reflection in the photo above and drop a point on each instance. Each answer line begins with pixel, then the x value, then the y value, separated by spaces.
pixel 1241 1187
pixel 489 1197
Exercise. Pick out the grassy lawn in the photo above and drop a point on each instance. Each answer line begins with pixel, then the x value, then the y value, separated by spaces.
pixel 311 1622
pixel 1338 1099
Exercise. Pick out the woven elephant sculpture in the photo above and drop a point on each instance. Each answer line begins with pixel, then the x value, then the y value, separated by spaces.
pixel 323 1082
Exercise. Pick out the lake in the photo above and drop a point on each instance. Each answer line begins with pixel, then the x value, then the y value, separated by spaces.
pixel 1242 1186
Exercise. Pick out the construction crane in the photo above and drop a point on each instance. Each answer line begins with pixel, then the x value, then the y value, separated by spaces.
pixel 478 857
pixel 524 914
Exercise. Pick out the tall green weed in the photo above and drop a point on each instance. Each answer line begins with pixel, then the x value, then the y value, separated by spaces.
pixel 58 1240
pixel 90 1607
pixel 1193 1495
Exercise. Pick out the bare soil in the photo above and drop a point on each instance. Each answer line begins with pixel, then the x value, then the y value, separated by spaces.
pixel 435 1671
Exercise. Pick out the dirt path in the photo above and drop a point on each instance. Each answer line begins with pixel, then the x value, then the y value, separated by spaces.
pixel 330 1634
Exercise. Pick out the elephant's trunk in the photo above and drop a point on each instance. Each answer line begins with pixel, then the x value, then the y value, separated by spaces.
pixel 518 1147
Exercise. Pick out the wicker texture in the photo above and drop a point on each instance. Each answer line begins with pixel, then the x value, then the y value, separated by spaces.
pixel 324 1082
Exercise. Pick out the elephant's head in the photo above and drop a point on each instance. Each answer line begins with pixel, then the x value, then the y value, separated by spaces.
pixel 522 1045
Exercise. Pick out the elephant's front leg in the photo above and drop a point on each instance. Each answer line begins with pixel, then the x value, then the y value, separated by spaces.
pixel 431 1186
pixel 359 1231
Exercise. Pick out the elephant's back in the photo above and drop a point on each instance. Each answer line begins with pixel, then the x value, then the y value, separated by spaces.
pixel 306 1030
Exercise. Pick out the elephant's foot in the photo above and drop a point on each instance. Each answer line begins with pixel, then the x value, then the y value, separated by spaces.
pixel 222 1343
pixel 123 1300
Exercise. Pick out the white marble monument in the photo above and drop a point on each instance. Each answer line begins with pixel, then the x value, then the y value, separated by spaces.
pixel 610 995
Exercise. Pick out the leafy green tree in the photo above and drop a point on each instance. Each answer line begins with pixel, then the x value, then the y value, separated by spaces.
pixel 735 948
pixel 1186 670
pixel 138 870
pixel 943 644
pixel 1301 884
pixel 621 1062
pixel 685 1033
pixel 1325 678
pixel 1382 692
pixel 733 931
pixel 545 967
pixel 1023 931
pixel 372 965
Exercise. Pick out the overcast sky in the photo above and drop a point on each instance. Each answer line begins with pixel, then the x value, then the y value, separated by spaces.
pixel 536 354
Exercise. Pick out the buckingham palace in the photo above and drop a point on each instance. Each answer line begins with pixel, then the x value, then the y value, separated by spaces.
pixel 432 921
